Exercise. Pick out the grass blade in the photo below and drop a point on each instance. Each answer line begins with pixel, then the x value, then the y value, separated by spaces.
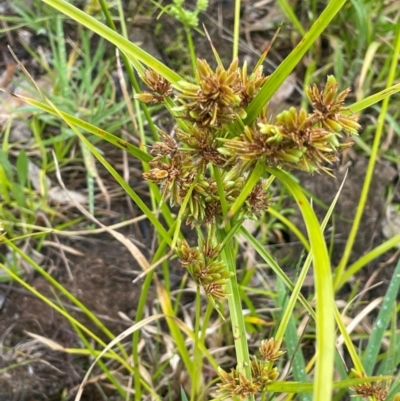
pixel 291 61
pixel 275 267
pixel 374 343
pixel 368 257
pixel 107 136
pixel 325 324
pixel 295 353
pixel 129 48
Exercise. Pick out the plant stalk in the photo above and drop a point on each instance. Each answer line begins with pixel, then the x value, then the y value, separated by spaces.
pixel 236 312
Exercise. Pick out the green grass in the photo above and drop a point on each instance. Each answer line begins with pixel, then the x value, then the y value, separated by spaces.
pixel 80 113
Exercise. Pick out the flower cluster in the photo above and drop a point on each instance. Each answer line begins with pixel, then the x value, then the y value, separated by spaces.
pixel 221 96
pixel 181 165
pixel 262 372
pixel 185 164
pixel 378 391
pixel 179 171
pixel 204 266
pixel 297 139
pixel 160 87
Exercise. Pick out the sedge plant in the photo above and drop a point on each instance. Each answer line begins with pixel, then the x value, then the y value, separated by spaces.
pixel 216 171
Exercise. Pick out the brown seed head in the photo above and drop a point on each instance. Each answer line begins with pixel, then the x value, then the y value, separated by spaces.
pixel 378 390
pixel 216 99
pixel 296 139
pixel 270 349
pixel 159 85
pixel 329 107
pixel 168 148
pixel 236 384
pixel 262 373
pixel 257 202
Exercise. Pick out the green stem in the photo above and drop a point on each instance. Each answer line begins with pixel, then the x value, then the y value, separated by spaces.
pixel 197 356
pixel 236 313
pixel 250 184
pixel 368 257
pixel 136 335
pixel 291 16
pixel 192 52
pixel 236 29
pixel 325 324
pixel 221 190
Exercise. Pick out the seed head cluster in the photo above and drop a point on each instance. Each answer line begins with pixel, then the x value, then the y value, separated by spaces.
pixel 220 96
pixel 204 265
pixel 184 164
pixel 377 391
pixel 297 139
pixel 263 372
pixel 159 86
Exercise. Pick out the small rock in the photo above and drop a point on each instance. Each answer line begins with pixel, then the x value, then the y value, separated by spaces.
pixel 37 178
pixel 20 132
pixel 59 195
pixel 391 224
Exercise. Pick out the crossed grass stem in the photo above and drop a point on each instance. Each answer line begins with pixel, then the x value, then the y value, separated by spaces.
pixel 295 139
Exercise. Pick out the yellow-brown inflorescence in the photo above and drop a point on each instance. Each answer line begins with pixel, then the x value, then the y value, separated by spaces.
pixel 297 139
pixel 213 138
pixel 160 87
pixel 176 169
pixel 220 96
pixel 329 107
pixel 270 350
pixel 262 373
pixel 377 391
pixel 204 265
